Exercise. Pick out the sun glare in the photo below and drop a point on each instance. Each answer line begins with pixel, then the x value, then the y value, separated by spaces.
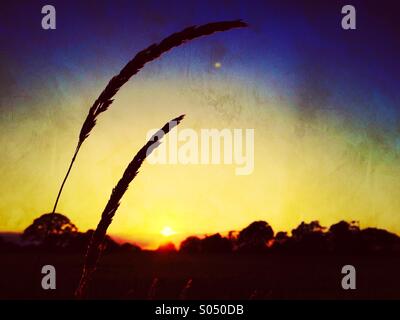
pixel 167 231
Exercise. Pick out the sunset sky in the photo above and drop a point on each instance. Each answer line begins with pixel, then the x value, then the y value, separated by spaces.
pixel 324 104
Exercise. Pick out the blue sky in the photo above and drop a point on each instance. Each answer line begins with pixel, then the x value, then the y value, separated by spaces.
pixel 299 43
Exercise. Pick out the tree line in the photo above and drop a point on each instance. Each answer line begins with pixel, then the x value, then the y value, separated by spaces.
pixel 55 232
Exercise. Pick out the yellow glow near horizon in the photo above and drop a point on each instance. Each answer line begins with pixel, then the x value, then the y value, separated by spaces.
pixel 324 170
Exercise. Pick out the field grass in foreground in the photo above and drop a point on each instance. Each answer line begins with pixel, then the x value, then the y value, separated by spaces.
pixel 147 275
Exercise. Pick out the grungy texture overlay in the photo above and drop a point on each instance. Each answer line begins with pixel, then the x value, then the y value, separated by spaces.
pixel 324 104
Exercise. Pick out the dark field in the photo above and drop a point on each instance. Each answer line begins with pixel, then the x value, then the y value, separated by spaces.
pixel 132 276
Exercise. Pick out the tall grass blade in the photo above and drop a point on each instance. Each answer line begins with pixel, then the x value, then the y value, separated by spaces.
pixel 133 67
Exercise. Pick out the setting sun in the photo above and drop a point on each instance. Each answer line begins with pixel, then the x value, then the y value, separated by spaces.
pixel 167 231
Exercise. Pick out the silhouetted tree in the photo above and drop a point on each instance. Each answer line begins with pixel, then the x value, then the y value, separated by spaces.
pixel 78 242
pixel 281 236
pixel 343 228
pixel 282 242
pixel 345 237
pixel 191 245
pixel 129 247
pixel 310 238
pixel 82 240
pixel 378 240
pixel 254 237
pixel 216 244
pixel 305 229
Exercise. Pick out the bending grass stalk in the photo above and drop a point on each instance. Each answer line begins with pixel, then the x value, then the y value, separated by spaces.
pixel 96 243
pixel 133 67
